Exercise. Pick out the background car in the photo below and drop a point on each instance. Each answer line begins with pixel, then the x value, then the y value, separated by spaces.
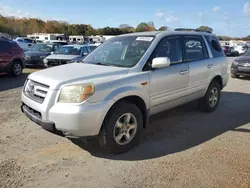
pixel 36 54
pixel 240 49
pixel 67 54
pixel 25 43
pixel 241 65
pixel 230 51
pixel 57 42
pixel 11 57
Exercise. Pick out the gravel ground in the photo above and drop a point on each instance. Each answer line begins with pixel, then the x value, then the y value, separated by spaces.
pixel 180 148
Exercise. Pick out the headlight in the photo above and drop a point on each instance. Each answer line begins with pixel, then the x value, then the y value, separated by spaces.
pixel 75 93
pixel 27 57
pixel 235 63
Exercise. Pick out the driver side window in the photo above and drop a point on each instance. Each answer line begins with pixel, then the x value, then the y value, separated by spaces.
pixel 167 47
pixel 171 48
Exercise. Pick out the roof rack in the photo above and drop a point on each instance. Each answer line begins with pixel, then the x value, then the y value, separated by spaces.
pixel 191 30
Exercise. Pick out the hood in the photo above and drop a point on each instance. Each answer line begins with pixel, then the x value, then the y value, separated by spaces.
pixel 76 72
pixel 62 56
pixel 36 53
pixel 243 58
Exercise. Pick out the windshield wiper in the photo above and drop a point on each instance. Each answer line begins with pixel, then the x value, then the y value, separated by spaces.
pixel 100 63
pixel 104 64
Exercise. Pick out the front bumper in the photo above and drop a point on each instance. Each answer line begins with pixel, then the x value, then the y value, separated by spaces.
pixel 72 120
pixel 35 117
pixel 240 70
pixel 34 62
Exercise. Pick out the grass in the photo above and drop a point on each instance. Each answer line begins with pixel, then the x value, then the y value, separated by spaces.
pixel 28 70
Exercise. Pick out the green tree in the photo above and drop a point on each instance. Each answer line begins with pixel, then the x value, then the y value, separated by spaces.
pixel 143 26
pixel 205 28
pixel 163 28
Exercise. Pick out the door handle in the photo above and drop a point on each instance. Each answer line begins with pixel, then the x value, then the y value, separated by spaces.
pixel 210 66
pixel 182 72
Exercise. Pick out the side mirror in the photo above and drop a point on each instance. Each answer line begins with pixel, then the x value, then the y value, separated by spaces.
pixel 160 62
pixel 52 53
pixel 85 54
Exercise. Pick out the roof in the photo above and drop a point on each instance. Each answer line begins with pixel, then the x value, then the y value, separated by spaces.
pixel 155 33
pixel 149 33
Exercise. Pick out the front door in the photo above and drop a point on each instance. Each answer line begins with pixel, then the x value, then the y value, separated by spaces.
pixel 5 54
pixel 168 85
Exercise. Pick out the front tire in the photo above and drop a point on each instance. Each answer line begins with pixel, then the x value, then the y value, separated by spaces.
pixel 121 128
pixel 16 69
pixel 211 100
pixel 234 75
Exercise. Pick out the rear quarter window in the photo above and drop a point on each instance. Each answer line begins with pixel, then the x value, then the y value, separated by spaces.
pixel 214 46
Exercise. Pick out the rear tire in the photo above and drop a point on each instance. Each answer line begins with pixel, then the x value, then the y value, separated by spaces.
pixel 211 100
pixel 237 53
pixel 234 76
pixel 117 135
pixel 16 69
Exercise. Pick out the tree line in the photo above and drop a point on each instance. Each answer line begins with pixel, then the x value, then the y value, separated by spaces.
pixel 24 26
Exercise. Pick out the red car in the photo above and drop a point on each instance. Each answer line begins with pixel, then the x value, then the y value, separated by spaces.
pixel 11 57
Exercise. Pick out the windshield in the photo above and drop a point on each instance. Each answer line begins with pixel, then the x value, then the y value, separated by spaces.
pixel 69 50
pixel 42 47
pixel 123 51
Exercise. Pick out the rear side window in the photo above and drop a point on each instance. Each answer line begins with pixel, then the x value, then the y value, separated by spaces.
pixel 4 46
pixel 194 49
pixel 214 46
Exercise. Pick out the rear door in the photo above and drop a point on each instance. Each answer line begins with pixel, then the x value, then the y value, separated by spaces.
pixel 5 54
pixel 196 54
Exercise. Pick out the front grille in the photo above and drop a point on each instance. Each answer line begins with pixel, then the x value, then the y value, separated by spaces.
pixel 32 111
pixel 36 91
pixel 244 63
pixel 57 61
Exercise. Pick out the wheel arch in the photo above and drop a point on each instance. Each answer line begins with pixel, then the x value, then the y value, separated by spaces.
pixel 19 60
pixel 219 80
pixel 133 99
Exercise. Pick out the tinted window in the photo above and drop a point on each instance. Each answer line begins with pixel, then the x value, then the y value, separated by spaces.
pixel 92 48
pixel 215 46
pixel 4 46
pixel 170 48
pixel 28 40
pixel 85 50
pixel 69 50
pixel 194 49
pixel 57 46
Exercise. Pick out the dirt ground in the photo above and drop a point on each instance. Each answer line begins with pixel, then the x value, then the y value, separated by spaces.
pixel 180 148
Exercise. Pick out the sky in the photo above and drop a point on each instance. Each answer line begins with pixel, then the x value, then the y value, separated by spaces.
pixel 226 17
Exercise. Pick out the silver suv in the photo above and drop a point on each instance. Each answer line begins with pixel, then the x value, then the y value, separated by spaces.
pixel 112 93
